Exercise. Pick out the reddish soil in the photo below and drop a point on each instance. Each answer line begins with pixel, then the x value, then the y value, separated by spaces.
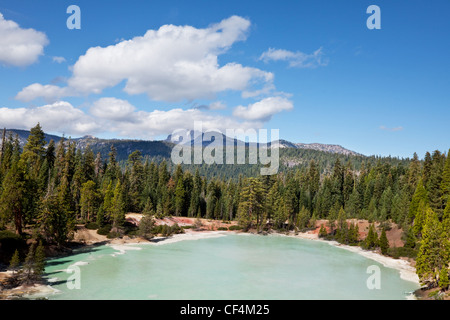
pixel 394 235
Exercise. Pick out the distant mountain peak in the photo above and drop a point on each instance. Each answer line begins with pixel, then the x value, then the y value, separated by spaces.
pixel 193 137
pixel 331 148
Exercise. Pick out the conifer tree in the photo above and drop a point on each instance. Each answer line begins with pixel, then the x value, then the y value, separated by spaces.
pixel 88 200
pixel 29 265
pixel 383 242
pixel 419 195
pixel 433 185
pixel 443 278
pixel 39 264
pixel 431 257
pixel 372 238
pixel 136 181
pixel 12 197
pixel 118 206
pixel 426 171
pixel 14 262
pixel 108 202
pixel 180 196
pixel 323 231
pixel 342 228
pixel 252 203
pixel 445 182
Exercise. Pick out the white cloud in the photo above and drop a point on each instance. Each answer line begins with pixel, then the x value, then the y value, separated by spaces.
pixel 59 59
pixel 263 110
pixel 173 63
pixel 49 92
pixel 296 59
pixel 59 117
pixel 395 129
pixel 20 47
pixel 121 117
pixel 112 109
pixel 217 105
pixel 117 116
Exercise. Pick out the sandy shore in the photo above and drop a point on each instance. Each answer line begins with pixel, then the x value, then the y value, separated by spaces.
pixel 122 245
pixel 407 271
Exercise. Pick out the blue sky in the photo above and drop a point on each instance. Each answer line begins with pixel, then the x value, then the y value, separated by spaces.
pixel 309 68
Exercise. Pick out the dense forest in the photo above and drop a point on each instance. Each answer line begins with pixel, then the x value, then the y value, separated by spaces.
pixel 49 188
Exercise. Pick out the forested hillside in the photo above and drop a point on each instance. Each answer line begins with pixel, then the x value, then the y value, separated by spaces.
pixel 46 189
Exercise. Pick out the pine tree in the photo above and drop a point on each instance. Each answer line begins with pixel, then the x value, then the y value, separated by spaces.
pixel 252 203
pixel 14 262
pixel 342 227
pixel 372 238
pixel 433 185
pixel 118 206
pixel 413 172
pixel 431 257
pixel 12 196
pixel 445 182
pixel 29 265
pixel 136 180
pixel 410 241
pixel 383 242
pixel 50 154
pixel 180 196
pixel 65 216
pixel 420 219
pixel 353 234
pixel 323 231
pixel 146 225
pixel 446 219
pixel 88 200
pixel 39 264
pixel 443 279
pixel 426 171
pixel 419 195
pixel 34 151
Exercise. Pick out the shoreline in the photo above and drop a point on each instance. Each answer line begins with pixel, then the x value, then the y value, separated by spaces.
pixel 407 271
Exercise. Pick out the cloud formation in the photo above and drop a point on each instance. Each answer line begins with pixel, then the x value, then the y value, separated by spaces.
pixel 59 59
pixel 119 117
pixel 263 110
pixel 173 63
pixel 295 59
pixel 20 47
pixel 48 92
pixel 395 129
pixel 59 117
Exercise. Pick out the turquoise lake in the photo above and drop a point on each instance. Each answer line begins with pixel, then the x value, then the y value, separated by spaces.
pixel 227 267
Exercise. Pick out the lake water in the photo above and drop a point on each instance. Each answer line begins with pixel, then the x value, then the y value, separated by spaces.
pixel 227 267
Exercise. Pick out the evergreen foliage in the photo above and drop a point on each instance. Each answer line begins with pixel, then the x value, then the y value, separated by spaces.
pixel 49 187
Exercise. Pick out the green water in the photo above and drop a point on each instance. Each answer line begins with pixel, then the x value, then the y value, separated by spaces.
pixel 227 267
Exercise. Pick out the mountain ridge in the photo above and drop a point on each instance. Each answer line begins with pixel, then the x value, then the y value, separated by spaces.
pixel 161 147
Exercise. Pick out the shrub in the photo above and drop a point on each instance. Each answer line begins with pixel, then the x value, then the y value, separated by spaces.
pixel 104 231
pixel 91 226
pixel 8 235
pixel 397 252
pixel 235 228
pixel 222 229
pixel 113 235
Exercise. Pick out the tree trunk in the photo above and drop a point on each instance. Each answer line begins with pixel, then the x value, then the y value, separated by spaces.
pixel 18 221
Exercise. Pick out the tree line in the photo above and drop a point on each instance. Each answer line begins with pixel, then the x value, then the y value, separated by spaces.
pixel 46 189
